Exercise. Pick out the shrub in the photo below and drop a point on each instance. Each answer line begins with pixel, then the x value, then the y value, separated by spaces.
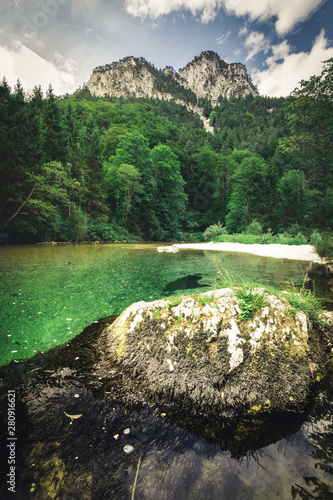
pixel 301 239
pixel 325 246
pixel 294 229
pixel 105 231
pixel 192 237
pixel 214 231
pixel 267 237
pixel 316 239
pixel 254 228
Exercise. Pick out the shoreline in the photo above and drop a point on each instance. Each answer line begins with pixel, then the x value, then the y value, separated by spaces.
pixel 274 250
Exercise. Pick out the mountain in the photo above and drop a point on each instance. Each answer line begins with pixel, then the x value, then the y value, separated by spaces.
pixel 209 77
pixel 206 77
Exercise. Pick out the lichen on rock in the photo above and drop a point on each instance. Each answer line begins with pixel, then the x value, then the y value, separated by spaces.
pixel 203 354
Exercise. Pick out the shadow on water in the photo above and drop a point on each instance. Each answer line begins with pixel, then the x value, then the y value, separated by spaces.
pixel 84 435
pixel 188 282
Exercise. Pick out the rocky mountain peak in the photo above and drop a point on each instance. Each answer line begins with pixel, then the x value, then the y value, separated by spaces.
pixel 207 56
pixel 207 77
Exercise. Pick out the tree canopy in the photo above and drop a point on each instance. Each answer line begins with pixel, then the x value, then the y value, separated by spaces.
pixel 82 167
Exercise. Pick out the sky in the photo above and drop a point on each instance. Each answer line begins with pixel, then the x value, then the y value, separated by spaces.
pixel 281 42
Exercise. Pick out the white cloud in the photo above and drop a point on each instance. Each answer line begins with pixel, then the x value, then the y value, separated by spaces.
pixel 156 8
pixel 285 70
pixel 31 69
pixel 243 31
pixel 287 12
pixel 256 42
pixel 222 38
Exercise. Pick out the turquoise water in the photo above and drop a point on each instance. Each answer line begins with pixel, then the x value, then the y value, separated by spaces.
pixel 50 293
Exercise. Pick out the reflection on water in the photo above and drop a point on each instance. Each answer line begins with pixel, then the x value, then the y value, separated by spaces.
pixel 117 435
pixel 49 294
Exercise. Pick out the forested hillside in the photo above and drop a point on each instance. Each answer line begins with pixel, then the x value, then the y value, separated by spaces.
pixel 83 168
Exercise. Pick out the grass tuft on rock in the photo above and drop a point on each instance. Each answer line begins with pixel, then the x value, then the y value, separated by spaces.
pixel 250 301
pixel 251 296
pixel 305 301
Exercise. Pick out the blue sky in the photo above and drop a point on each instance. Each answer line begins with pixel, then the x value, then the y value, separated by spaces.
pixel 60 41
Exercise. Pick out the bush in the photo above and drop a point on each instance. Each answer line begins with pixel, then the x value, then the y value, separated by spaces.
pixel 254 228
pixel 192 237
pixel 325 246
pixel 316 239
pixel 301 239
pixel 214 231
pixel 104 231
pixel 267 238
pixel 294 230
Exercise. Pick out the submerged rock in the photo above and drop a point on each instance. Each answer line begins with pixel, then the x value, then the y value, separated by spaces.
pixel 212 353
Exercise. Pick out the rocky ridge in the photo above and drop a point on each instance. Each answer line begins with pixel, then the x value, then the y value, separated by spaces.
pixel 207 77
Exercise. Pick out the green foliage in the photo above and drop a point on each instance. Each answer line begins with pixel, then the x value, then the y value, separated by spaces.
pixel 249 190
pixel 191 237
pixel 251 296
pixel 86 168
pixel 214 231
pixel 302 300
pixel 106 231
pixel 264 239
pixel 254 228
pixel 175 300
pixel 316 239
pixel 324 246
pixel 250 301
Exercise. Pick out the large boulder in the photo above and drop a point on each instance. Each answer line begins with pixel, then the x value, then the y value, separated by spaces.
pixel 214 353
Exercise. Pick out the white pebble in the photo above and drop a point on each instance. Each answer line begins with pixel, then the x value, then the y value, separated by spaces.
pixel 76 395
pixel 127 431
pixel 128 448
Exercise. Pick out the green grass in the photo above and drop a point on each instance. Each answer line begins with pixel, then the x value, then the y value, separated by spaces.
pixel 203 299
pixel 263 239
pixel 251 296
pixel 175 300
pixel 300 299
pixel 157 313
pixel 250 301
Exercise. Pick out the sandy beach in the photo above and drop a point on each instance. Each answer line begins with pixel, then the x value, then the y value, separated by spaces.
pixel 294 252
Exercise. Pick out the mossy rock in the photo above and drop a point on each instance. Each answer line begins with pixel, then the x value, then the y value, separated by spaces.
pixel 205 354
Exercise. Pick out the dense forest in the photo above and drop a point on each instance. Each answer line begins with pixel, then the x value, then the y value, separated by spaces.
pixel 81 168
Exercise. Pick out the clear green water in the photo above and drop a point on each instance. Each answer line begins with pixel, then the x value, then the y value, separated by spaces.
pixel 49 294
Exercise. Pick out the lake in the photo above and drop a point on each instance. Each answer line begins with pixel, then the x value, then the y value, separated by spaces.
pixel 83 435
pixel 50 293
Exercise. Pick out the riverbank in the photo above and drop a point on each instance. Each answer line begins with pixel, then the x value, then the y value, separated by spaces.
pixel 277 251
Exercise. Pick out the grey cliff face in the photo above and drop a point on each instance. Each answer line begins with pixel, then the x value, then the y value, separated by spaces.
pixel 207 76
